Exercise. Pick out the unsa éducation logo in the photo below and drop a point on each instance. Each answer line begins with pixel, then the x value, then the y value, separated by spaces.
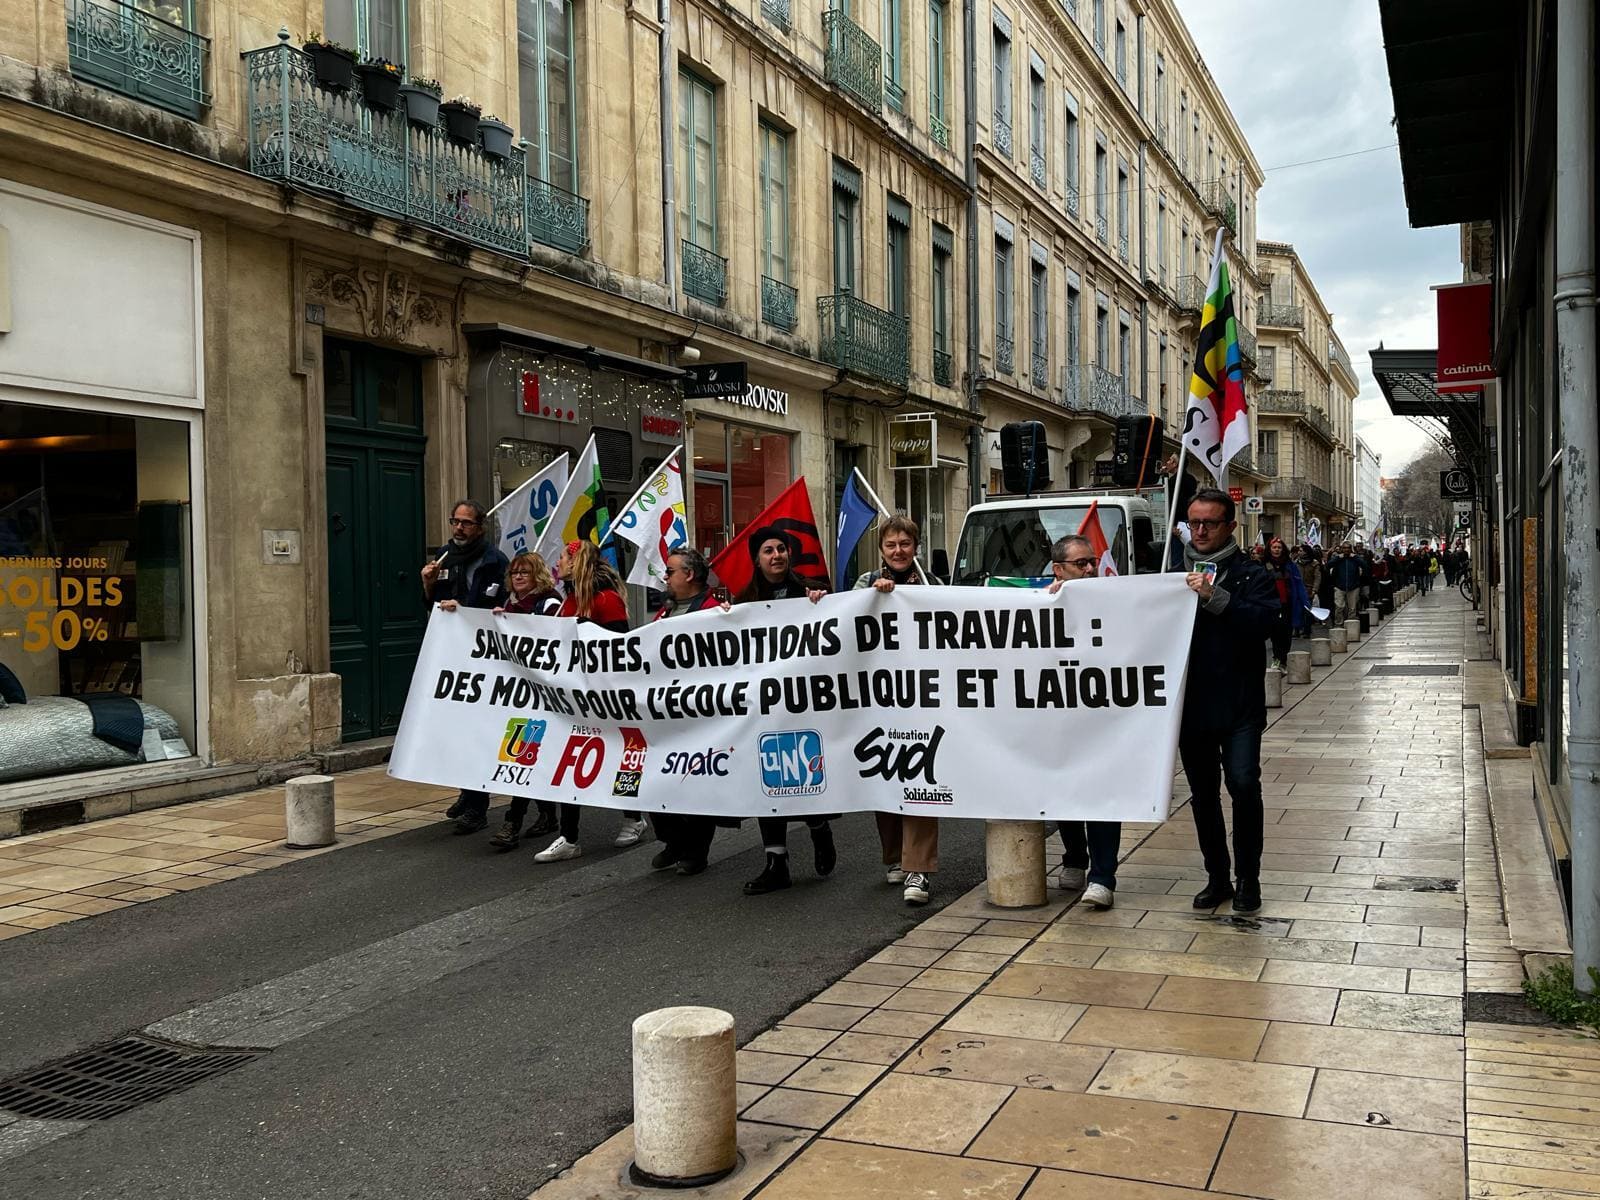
pixel 792 763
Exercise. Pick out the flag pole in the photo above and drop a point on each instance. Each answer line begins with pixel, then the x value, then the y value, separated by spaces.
pixel 884 512
pixel 628 507
pixel 1183 445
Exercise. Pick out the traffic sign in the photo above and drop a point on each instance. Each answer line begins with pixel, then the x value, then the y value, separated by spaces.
pixel 1254 505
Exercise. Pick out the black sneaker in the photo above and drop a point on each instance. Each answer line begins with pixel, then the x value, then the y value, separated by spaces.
pixel 827 856
pixel 505 837
pixel 1216 892
pixel 544 823
pixel 664 858
pixel 456 809
pixel 1247 899
pixel 471 823
pixel 691 868
pixel 774 876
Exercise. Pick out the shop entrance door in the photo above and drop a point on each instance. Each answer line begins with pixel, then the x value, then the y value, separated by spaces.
pixel 376 614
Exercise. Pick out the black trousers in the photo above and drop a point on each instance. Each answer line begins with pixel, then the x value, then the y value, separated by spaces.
pixel 568 815
pixel 1282 637
pixel 1209 759
pixel 474 804
pixel 518 811
pixel 687 836
pixel 775 830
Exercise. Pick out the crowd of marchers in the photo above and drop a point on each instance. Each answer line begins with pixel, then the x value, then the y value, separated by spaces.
pixel 1243 600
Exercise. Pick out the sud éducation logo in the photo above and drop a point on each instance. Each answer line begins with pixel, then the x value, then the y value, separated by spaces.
pixel 519 751
pixel 792 763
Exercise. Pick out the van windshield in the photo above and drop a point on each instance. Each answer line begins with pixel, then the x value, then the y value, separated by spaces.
pixel 1014 543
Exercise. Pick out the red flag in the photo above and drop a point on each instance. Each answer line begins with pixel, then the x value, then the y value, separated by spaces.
pixel 1090 528
pixel 788 517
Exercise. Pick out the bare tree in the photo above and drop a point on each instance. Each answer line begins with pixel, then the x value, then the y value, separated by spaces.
pixel 1412 501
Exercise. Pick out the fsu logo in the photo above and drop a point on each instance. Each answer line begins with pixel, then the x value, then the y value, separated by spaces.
pixel 634 748
pixel 521 743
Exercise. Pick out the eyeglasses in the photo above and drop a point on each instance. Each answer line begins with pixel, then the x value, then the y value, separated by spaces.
pixel 522 571
pixel 1205 524
pixel 1083 564
pixel 462 521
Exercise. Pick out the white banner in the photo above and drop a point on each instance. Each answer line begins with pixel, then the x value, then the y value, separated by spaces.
pixel 960 702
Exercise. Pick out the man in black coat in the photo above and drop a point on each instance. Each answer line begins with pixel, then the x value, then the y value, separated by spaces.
pixel 1225 703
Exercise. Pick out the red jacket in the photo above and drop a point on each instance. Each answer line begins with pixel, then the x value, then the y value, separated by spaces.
pixel 610 612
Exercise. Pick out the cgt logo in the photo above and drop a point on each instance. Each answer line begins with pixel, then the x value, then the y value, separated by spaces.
pixel 519 751
pixel 631 772
pixel 792 763
pixel 584 755
pixel 698 762
pixel 900 755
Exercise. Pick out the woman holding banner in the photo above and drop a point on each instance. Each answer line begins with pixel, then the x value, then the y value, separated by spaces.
pixel 910 843
pixel 530 590
pixel 594 594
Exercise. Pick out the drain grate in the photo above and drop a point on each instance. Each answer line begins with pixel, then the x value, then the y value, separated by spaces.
pixel 1416 669
pixel 107 1080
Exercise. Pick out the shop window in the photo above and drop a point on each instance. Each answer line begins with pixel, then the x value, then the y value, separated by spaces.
pixel 96 584
pixel 738 471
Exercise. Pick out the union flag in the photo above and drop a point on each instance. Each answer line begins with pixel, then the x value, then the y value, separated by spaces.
pixel 789 517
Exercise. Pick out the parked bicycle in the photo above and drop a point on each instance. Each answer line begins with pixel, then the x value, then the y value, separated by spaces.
pixel 1466 588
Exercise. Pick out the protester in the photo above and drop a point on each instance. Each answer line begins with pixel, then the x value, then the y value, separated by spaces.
pixel 1183 486
pixel 1381 581
pixel 594 594
pixel 685 837
pixel 1089 847
pixel 1292 599
pixel 1310 563
pixel 1346 571
pixel 910 843
pixel 774 579
pixel 1431 574
pixel 1225 708
pixel 530 590
pixel 471 573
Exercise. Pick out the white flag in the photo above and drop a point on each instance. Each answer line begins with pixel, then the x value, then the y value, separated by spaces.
pixel 580 514
pixel 526 511
pixel 656 522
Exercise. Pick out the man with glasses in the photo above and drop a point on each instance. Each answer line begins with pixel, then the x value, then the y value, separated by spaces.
pixel 1225 702
pixel 1091 846
pixel 470 573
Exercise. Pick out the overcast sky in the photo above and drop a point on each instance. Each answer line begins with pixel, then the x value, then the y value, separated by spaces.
pixel 1307 81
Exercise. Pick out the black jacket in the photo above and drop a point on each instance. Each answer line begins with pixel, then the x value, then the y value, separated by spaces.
pixel 480 583
pixel 1226 687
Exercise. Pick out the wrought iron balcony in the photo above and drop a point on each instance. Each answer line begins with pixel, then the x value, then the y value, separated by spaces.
pixel 779 302
pixel 1288 316
pixel 1320 496
pixel 1287 489
pixel 1161 134
pixel 1318 420
pixel 1282 400
pixel 305 136
pixel 139 54
pixel 944 369
pixel 853 62
pixel 1002 134
pixel 1247 346
pixel 705 274
pixel 1189 293
pixel 1100 43
pixel 1037 166
pixel 1101 229
pixel 1338 357
pixel 1267 464
pixel 856 337
pixel 1122 246
pixel 776 11
pixel 1041 366
pixel 1005 355
pixel 1103 392
pixel 1214 194
pixel 940 130
pixel 557 217
pixel 1072 199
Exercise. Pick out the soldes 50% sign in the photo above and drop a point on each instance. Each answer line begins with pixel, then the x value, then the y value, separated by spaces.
pixel 63 628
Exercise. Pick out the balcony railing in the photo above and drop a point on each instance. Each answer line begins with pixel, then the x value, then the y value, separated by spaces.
pixel 557 217
pixel 944 368
pixel 1002 135
pixel 1214 194
pixel 1189 293
pixel 137 53
pixel 1072 199
pixel 1267 464
pixel 306 136
pixel 776 11
pixel 705 274
pixel 940 129
pixel 1005 355
pixel 854 336
pixel 1101 229
pixel 854 62
pixel 1290 316
pixel 1041 366
pixel 1122 246
pixel 1092 388
pixel 1338 357
pixel 1247 346
pixel 1281 400
pixel 1318 420
pixel 778 303
pixel 1037 166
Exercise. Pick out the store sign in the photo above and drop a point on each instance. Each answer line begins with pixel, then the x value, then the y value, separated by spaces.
pixel 533 400
pixel 1466 326
pixel 1456 484
pixel 913 443
pixel 765 399
pixel 1236 494
pixel 716 381
pixel 656 425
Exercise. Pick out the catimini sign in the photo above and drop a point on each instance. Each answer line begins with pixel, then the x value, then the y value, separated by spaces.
pixel 1466 325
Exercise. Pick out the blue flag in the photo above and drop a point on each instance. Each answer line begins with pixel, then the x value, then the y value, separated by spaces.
pixel 855 514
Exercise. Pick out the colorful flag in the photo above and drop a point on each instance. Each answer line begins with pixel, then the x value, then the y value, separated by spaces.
pixel 856 512
pixel 654 521
pixel 1314 532
pixel 1090 528
pixel 526 511
pixel 580 514
pixel 1217 423
pixel 788 517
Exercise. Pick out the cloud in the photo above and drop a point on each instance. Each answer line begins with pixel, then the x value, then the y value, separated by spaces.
pixel 1308 81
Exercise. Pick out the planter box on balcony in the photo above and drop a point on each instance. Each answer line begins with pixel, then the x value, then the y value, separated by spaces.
pixel 461 123
pixel 380 87
pixel 496 138
pixel 334 67
pixel 422 105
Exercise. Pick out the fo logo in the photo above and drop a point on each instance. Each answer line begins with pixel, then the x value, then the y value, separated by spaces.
pixel 634 748
pixel 792 763
pixel 584 755
pixel 521 743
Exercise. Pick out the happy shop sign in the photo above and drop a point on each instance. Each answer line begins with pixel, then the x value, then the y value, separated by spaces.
pixel 959 702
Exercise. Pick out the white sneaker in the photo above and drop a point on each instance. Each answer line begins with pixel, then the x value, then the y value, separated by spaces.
pixel 630 833
pixel 916 888
pixel 1098 895
pixel 894 875
pixel 559 850
pixel 1073 878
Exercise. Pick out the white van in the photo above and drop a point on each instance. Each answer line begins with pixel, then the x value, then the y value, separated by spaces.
pixel 1007 542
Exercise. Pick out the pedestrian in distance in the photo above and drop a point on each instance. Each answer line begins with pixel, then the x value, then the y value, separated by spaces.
pixel 1090 848
pixel 1346 571
pixel 530 590
pixel 910 842
pixel 685 837
pixel 1292 599
pixel 470 573
pixel 1310 564
pixel 594 594
pixel 1225 703
pixel 771 554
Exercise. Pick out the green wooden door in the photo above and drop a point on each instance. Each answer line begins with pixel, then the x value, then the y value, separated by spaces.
pixel 376 541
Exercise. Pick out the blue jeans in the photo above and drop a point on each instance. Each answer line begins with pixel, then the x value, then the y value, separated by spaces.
pixel 1092 844
pixel 1209 758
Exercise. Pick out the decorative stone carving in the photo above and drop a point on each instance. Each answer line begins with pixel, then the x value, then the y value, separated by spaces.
pixel 376 300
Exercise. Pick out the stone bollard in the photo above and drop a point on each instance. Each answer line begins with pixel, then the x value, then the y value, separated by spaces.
pixel 1321 653
pixel 1352 631
pixel 1274 688
pixel 1299 666
pixel 1337 641
pixel 1364 621
pixel 1374 616
pixel 684 1097
pixel 308 811
pixel 1013 854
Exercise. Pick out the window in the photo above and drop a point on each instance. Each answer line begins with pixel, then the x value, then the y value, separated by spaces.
pixel 774 203
pixel 372 28
pixel 938 114
pixel 943 245
pixel 1266 359
pixel 1072 143
pixel 1178 133
pixel 1004 330
pixel 1161 237
pixel 1161 97
pixel 1074 320
pixel 697 145
pixel 1100 27
pixel 1183 242
pixel 893 59
pixel 1039 281
pixel 1121 50
pixel 1102 190
pixel 1123 232
pixel 1211 157
pixel 1002 93
pixel 1161 376
pixel 1196 124
pixel 1036 123
pixel 1102 333
pixel 547 89
pixel 899 257
pixel 846 208
pixel 1125 349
